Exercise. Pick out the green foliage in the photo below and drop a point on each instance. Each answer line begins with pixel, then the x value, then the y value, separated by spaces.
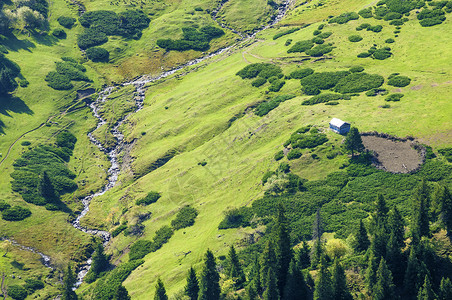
pixel 15 213
pixel 344 18
pixel 58 81
pixel 294 154
pixel 392 16
pixel 139 249
pixel 301 73
pixel 17 292
pixel 263 70
pixel 285 32
pixel 364 54
pixel 355 38
pixel 118 230
pixel 69 281
pixel 310 90
pixel 184 218
pixel 234 270
pixel 389 41
pixel 394 97
pixel 209 286
pixel 323 284
pixel 4 205
pixel 375 92
pixel 191 290
pixel 322 98
pixel 98 54
pixel 310 139
pixel 258 82
pixel 288 42
pixel 339 282
pixel 9 70
pixel 356 69
pixel 59 33
pixel 323 80
pixel 431 17
pixel 366 13
pixel 276 85
pixel 358 82
pixel 66 71
pixel 381 54
pixel 193 39
pixel 447 153
pixel 319 50
pixel 91 37
pixel 265 107
pixel 160 292
pixel 363 26
pixel 376 28
pixel 353 141
pixel 236 217
pixel 362 240
pixel 150 198
pixel 399 81
pixel 32 285
pixel 318 40
pixel 278 156
pixel 301 46
pixel 66 22
pixel 23 83
pixel 325 35
pixel 99 264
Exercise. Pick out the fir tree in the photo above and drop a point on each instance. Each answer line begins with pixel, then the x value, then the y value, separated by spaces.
pixel 296 288
pixel 396 226
pixel 46 188
pixel 99 263
pixel 271 292
pixel 421 203
pixel 339 283
pixel 323 285
pixel 121 293
pixel 410 282
pixel 371 272
pixel 317 226
pixel 268 262
pixel 255 277
pixel 192 287
pixel 316 253
pixel 209 287
pixel 160 292
pixel 395 259
pixel 381 213
pixel 353 141
pixel 251 293
pixel 379 242
pixel 384 288
pixel 303 259
pixel 234 269
pixel 445 202
pixel 362 240
pixel 283 250
pixel 426 292
pixel 68 283
pixel 445 289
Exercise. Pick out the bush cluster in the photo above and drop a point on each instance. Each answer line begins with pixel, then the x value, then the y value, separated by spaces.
pixel 285 32
pixel 379 54
pixel 356 69
pixel 262 71
pixel 59 33
pixel 310 139
pixel 344 18
pixel 399 81
pixel 98 54
pixel 118 230
pixel 9 70
pixel 319 50
pixel 323 98
pixel 142 247
pixel 362 26
pixel 4 205
pixel 276 85
pixel 447 153
pixel 389 41
pixel 66 71
pixel 184 218
pixel 394 97
pixel 318 40
pixel 278 156
pixel 301 46
pixel 150 198
pixel 17 292
pixel 15 213
pixel 301 73
pixel 32 285
pixel 265 107
pixel 355 38
pixel 237 217
pixel 194 39
pixel 294 154
pixel 358 82
pixel 431 17
pixel 366 13
pixel 375 92
pixel 323 80
pixel 91 37
pixel 66 22
pixel 325 35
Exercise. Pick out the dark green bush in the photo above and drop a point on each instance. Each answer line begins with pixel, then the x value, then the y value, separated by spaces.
pixel 193 39
pixel 319 50
pixel 265 107
pixel 104 21
pixel 325 35
pixel 294 154
pixel 15 213
pixel 375 92
pixel 4 205
pixel 310 90
pixel 267 175
pixel 392 16
pixel 332 103
pixel 73 71
pixel 26 143
pixel 288 42
pixel 318 40
pixel 51 207
pixel 316 32
pixel 380 12
pixel 376 28
pixel 276 85
pixel 431 21
pixel 321 26
pixel 9 70
pixel 58 81
pixel 184 218
pixel 446 152
pixel 17 292
pixel 285 32
pixel 381 54
pixel 59 33
pixel 363 26
pixel 118 230
pixel 355 38
pixel 3 49
pixel 301 46
pixel 132 22
pixel 301 73
pixel 32 284
pixel 278 156
pixel 366 13
pixel 394 97
pixel 323 80
pixel 140 249
pixel 65 139
pixel 364 54
pixel 263 70
pixel 91 37
pixel 23 83
pixel 399 81
pixel 258 82
pixel 322 98
pixel 236 217
pixel 356 69
pixel 150 198
pixel 396 23
pixel 358 82
pixel 66 22
pixel 311 140
pixel 344 18
pixel 161 237
pixel 98 54
pixel 389 41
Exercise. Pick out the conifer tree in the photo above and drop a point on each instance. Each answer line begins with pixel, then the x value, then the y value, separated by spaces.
pixel 445 203
pixel 384 288
pixel 192 287
pixel 251 292
pixel 420 215
pixel 381 212
pixel 271 292
pixel 445 289
pixel 160 292
pixel 121 293
pixel 353 141
pixel 46 188
pixel 323 285
pixel 317 226
pixel 68 283
pixel 283 249
pixel 99 263
pixel 255 277
pixel 362 240
pixel 371 272
pixel 339 283
pixel 410 282
pixel 426 292
pixel 316 253
pixel 296 288
pixel 234 269
pixel 395 259
pixel 268 262
pixel 209 287
pixel 379 242
pixel 303 259
pixel 396 226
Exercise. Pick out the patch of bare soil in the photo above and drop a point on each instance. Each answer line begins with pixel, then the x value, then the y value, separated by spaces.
pixel 392 155
pixel 416 87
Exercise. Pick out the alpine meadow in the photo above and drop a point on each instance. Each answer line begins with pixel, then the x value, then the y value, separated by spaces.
pixel 226 149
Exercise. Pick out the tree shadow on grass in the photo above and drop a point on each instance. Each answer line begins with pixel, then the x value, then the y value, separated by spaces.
pixel 45 39
pixel 12 43
pixel 12 104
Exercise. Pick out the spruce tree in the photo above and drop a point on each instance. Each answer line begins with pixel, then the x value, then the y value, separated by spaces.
pixel 121 293
pixel 209 286
pixel 160 292
pixel 46 188
pixel 381 213
pixel 99 263
pixel 296 288
pixel 192 287
pixel 379 242
pixel 426 292
pixel 445 289
pixel 316 253
pixel 271 292
pixel 445 201
pixel 268 262
pixel 384 288
pixel 234 269
pixel 413 268
pixel 251 293
pixel 317 226
pixel 395 259
pixel 323 285
pixel 371 272
pixel 353 141
pixel 69 281
pixel 396 226
pixel 283 249
pixel 362 240
pixel 339 283
pixel 420 215
pixel 303 259
pixel 255 281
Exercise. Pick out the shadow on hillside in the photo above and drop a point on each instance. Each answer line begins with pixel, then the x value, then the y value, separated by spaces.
pixel 13 104
pixel 2 125
pixel 12 43
pixel 45 39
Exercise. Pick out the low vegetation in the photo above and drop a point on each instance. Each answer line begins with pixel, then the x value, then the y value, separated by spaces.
pixel 194 39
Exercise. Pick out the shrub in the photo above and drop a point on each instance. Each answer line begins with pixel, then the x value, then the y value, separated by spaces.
pixel 381 54
pixel 276 85
pixel 322 98
pixel 325 35
pixel 286 32
pixel 318 40
pixel 17 292
pixel 105 21
pixel 66 22
pixel 184 218
pixel 310 90
pixel 51 207
pixel 288 42
pixel 266 176
pixel 386 106
pixel 344 18
pixel 23 83
pixel 380 12
pixel 316 32
pixel 446 152
pixel 263 70
pixel 294 154
pixel 332 103
pixel 65 139
pixel 58 81
pixel 161 237
pixel 15 213
pixel 258 82
pixel 139 249
pixel 396 23
pixel 97 54
pixel 431 21
pixel 73 71
pixel 4 205
pixel 375 92
pixel 265 107
pixel 91 37
pixel 355 38
pixel 3 49
pixel 364 54
pixel 118 230
pixel 366 13
pixel 399 81
pixel 278 156
pixel 150 198
pixel 356 69
pixel 319 50
pixel 26 143
pixel 236 217
pixel 389 41
pixel 392 16
pixel 301 73
pixel 376 28
pixel 193 39
pixel 394 97
pixel 307 140
pixel 59 33
pixel 363 26
pixel 32 285
pixel 301 46
pixel 359 82
pixel 323 80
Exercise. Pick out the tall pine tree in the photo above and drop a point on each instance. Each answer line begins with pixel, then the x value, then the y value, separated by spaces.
pixel 339 283
pixel 255 280
pixel 303 259
pixel 99 263
pixel 271 292
pixel 371 272
pixel 353 141
pixel 426 292
pixel 410 283
pixel 396 226
pixel 160 292
pixel 395 259
pixel 384 288
pixel 234 269
pixel 323 285
pixel 268 262
pixel 362 240
pixel 296 288
pixel 209 286
pixel 121 293
pixel 445 289
pixel 69 281
pixel 283 249
pixel 420 214
pixel 192 287
pixel 445 203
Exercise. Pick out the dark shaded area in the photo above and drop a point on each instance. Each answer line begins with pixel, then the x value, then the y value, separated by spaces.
pixel 13 104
